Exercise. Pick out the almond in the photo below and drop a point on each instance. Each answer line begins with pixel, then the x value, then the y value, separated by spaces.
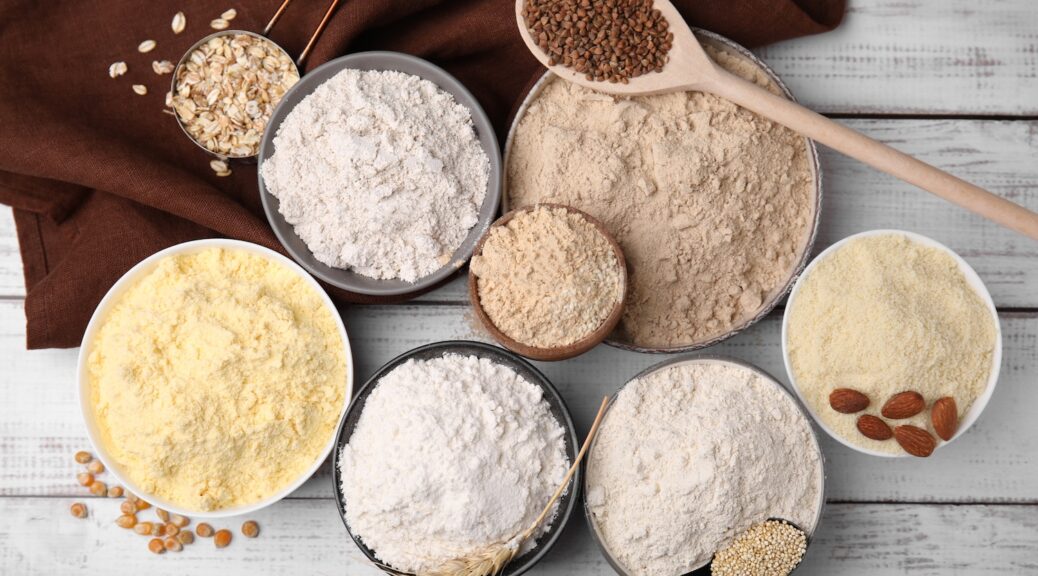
pixel 848 401
pixel 903 405
pixel 915 440
pixel 945 417
pixel 873 427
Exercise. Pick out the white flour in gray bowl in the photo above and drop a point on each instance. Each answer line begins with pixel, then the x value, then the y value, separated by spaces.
pixel 380 172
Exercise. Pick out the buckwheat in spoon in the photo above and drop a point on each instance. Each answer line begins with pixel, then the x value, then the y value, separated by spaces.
pixel 641 47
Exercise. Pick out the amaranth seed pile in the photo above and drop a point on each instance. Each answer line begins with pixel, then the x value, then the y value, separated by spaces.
pixel 548 277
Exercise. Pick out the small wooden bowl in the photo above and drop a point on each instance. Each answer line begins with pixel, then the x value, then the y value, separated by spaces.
pixel 558 352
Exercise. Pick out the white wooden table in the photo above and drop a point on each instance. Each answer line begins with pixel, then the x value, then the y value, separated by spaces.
pixel 952 81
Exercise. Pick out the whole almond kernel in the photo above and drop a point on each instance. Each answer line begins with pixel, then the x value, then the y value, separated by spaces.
pixel 875 428
pixel 915 440
pixel 903 405
pixel 848 401
pixel 945 417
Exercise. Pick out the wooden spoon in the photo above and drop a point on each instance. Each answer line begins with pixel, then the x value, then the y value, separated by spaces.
pixel 689 68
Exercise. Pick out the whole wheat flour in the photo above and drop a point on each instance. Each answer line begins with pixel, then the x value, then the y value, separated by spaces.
pixel 689 457
pixel 886 314
pixel 450 455
pixel 380 172
pixel 712 205
pixel 548 277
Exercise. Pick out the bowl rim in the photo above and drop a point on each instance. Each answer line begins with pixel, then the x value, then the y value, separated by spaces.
pixel 809 241
pixel 127 280
pixel 974 281
pixel 700 358
pixel 483 127
pixel 504 357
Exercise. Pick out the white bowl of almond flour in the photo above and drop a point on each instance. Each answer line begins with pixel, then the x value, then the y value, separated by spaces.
pixel 378 172
pixel 892 342
pixel 716 209
pixel 693 452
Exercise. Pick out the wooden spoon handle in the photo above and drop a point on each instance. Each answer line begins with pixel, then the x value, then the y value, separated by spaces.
pixel 875 154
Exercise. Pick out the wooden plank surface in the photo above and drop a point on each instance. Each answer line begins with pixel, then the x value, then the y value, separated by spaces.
pixel 1000 155
pixel 306 537
pixel 41 426
pixel 918 57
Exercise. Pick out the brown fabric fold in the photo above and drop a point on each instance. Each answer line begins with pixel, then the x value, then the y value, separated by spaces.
pixel 100 178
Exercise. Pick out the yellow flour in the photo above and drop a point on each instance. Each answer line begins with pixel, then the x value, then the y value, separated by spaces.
pixel 217 379
pixel 885 314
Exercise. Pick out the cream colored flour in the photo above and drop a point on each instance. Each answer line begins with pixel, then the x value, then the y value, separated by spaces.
pixel 712 204
pixel 548 277
pixel 692 455
pixel 882 315
pixel 217 379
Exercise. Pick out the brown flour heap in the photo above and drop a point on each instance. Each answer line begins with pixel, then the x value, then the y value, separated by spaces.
pixel 547 278
pixel 712 204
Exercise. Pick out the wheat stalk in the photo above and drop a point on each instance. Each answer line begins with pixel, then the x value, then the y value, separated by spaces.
pixel 491 561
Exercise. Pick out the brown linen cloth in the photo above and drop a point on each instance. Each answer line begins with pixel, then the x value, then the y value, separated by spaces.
pixel 100 178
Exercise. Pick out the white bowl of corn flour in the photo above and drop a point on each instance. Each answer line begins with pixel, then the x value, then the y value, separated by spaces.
pixel 213 377
pixel 691 454
pixel 715 207
pixel 892 342
pixel 449 449
pixel 378 172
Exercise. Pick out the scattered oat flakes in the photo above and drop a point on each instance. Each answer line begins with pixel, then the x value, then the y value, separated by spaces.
pixel 162 66
pixel 140 89
pixel 218 166
pixel 146 46
pixel 227 89
pixel 179 22
pixel 117 69
pixel 219 24
pixel 169 100
pixel 229 15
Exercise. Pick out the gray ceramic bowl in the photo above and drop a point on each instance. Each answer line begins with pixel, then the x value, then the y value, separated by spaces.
pixel 691 359
pixel 346 279
pixel 567 502
pixel 619 340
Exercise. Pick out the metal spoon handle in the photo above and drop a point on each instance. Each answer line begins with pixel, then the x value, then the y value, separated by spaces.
pixel 313 37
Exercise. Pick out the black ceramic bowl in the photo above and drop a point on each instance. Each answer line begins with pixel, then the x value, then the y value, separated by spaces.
pixel 498 355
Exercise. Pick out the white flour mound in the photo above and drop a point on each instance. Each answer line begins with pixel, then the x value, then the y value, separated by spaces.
pixel 450 455
pixel 380 172
pixel 691 456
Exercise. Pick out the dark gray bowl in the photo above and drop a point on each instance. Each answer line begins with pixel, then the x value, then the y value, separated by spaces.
pixel 347 279
pixel 567 502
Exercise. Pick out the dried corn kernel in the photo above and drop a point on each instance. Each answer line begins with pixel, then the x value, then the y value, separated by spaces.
pixel 96 467
pixel 204 530
pixel 128 507
pixel 141 504
pixel 78 509
pixel 143 528
pixel 98 488
pixel 222 538
pixel 250 529
pixel 162 514
pixel 156 546
pixel 173 545
pixel 83 457
pixel 115 491
pixel 85 478
pixel 126 521
pixel 179 520
pixel 186 537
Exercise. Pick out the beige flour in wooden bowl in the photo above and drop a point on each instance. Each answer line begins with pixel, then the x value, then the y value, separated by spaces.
pixel 713 205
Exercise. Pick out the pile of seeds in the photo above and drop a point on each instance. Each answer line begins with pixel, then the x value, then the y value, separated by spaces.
pixel 772 548
pixel 607 40
pixel 227 90
pixel 169 533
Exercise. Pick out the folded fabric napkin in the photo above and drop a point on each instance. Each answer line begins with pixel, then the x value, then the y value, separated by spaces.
pixel 100 177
